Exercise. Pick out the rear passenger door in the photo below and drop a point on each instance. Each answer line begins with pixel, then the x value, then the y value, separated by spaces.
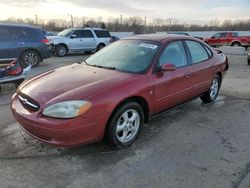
pixel 89 40
pixel 201 59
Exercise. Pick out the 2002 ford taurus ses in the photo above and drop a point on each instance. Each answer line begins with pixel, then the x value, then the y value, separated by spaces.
pixel 114 92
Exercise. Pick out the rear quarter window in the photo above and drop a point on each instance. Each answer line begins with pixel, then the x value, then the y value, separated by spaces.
pixel 197 51
pixel 25 33
pixel 5 34
pixel 102 33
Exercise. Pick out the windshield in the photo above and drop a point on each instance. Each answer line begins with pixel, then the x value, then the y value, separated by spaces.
pixel 65 33
pixel 125 56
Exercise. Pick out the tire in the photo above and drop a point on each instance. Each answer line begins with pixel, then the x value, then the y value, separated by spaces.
pixel 213 91
pixel 125 125
pixel 30 57
pixel 236 44
pixel 99 47
pixel 88 52
pixel 61 50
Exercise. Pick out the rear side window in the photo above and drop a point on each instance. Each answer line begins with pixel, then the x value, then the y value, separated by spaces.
pixel 102 33
pixel 4 34
pixel 87 34
pixel 25 33
pixel 83 34
pixel 175 54
pixel 198 52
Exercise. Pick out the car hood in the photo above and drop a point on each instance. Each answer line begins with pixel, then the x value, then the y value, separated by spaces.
pixel 72 82
pixel 55 37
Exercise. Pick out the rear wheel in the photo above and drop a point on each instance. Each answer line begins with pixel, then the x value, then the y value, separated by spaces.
pixel 61 50
pixel 99 47
pixel 125 125
pixel 236 44
pixel 213 91
pixel 30 57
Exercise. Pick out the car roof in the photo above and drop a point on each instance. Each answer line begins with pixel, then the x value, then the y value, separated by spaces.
pixel 94 28
pixel 18 25
pixel 158 37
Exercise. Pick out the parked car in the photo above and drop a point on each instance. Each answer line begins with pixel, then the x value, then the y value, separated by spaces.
pixel 27 44
pixel 114 92
pixel 228 39
pixel 79 40
pixel 114 38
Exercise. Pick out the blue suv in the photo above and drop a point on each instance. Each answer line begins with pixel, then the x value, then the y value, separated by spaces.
pixel 27 44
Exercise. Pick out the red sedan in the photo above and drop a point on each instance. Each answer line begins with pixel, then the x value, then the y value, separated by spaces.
pixel 114 92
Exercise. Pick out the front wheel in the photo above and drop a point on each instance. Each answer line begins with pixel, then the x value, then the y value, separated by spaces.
pixel 125 125
pixel 61 50
pixel 213 91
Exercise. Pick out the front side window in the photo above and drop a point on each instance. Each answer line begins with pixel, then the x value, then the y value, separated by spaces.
pixel 175 54
pixel 197 51
pixel 217 35
pixel 78 34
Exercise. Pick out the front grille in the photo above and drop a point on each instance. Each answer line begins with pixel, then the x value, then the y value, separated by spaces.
pixel 28 103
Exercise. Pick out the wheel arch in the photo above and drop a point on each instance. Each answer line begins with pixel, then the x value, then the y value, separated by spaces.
pixel 101 43
pixel 63 44
pixel 138 99
pixel 235 41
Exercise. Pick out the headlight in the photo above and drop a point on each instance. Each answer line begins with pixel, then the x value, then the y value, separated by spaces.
pixel 67 109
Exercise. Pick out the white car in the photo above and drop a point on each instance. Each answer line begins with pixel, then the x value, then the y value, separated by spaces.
pixel 79 40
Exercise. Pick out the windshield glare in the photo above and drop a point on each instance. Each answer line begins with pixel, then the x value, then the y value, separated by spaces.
pixel 65 33
pixel 125 56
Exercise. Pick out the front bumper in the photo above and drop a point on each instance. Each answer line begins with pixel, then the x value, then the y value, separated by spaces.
pixel 59 132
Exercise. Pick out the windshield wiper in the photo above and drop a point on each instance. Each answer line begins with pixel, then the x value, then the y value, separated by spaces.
pixel 104 67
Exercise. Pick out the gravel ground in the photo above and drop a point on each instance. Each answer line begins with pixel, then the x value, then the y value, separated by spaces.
pixel 194 145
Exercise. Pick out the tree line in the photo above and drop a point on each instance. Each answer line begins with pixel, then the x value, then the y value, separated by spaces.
pixel 135 24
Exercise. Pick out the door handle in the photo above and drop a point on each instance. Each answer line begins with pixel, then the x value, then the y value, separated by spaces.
pixel 188 75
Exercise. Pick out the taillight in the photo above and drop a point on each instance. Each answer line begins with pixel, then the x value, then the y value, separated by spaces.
pixel 45 41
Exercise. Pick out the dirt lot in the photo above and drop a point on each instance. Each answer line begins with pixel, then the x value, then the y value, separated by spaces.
pixel 194 145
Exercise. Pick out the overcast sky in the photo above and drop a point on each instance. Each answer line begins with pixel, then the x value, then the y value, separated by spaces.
pixel 194 11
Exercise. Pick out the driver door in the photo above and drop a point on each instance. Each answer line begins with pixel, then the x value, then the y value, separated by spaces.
pixel 75 42
pixel 173 87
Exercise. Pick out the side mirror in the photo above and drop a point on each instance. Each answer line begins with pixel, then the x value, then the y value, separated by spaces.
pixel 168 67
pixel 73 36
